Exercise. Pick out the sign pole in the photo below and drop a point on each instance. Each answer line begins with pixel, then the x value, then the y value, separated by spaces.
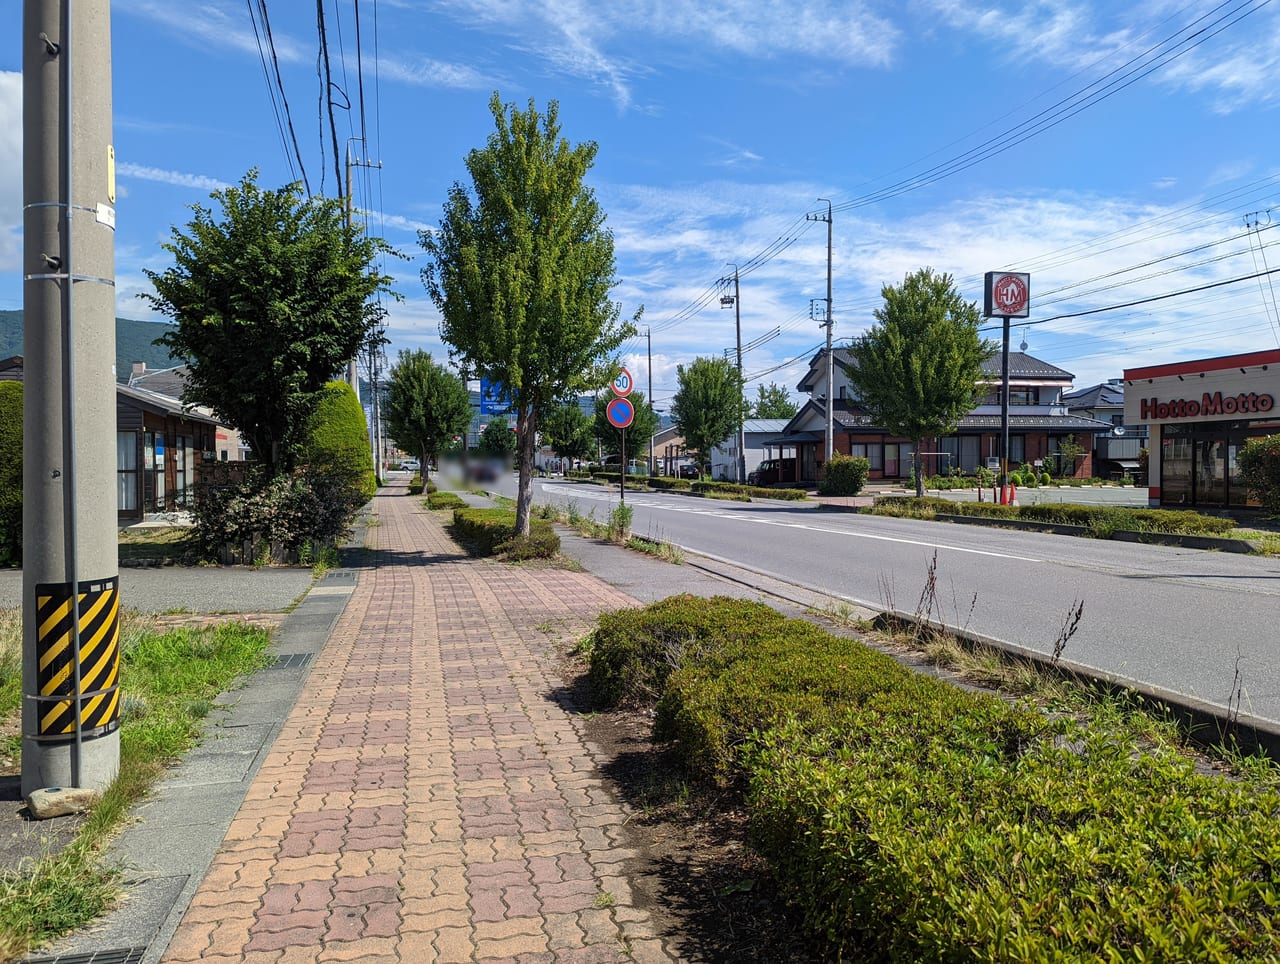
pixel 1004 414
pixel 622 481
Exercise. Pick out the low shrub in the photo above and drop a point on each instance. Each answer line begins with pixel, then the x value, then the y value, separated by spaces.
pixel 542 542
pixel 1046 478
pixel 748 491
pixel 916 831
pixel 445 500
pixel 487 532
pixel 666 482
pixel 910 819
pixel 1103 520
pixel 272 519
pixel 416 485
pixel 1260 470
pixel 633 651
pixel 845 475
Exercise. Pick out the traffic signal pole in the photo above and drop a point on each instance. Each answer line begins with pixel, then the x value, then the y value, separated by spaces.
pixel 70 578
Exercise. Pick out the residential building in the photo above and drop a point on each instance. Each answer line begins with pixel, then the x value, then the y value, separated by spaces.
pixel 1039 425
pixel 1115 450
pixel 756 431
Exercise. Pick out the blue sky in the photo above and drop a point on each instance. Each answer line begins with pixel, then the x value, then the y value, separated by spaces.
pixel 721 122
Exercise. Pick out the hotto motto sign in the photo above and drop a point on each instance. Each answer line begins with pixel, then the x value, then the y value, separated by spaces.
pixel 1210 404
pixel 1006 294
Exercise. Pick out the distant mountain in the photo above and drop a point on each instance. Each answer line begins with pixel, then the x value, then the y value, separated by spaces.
pixel 133 342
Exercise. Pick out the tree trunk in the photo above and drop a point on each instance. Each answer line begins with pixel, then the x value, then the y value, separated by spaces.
pixel 526 430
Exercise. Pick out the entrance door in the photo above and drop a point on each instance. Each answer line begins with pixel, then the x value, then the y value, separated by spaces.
pixel 1211 469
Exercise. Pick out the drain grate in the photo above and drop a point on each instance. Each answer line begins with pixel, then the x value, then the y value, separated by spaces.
pixel 123 955
pixel 293 661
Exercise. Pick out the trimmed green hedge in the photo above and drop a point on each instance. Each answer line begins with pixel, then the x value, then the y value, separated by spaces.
pixel 909 819
pixel 445 500
pixel 487 532
pixel 667 482
pixel 750 491
pixel 1103 520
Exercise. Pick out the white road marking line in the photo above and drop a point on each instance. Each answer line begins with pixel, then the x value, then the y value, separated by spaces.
pixel 744 516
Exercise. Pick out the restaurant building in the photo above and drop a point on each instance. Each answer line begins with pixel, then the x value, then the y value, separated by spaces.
pixel 1200 414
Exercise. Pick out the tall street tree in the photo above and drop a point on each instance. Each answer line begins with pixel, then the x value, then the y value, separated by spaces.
pixel 917 370
pixel 567 429
pixel 521 270
pixel 427 405
pixel 708 406
pixel 271 296
pixel 497 440
pixel 772 402
pixel 638 432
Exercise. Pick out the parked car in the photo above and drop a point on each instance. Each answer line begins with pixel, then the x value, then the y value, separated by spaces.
pixel 772 472
pixel 689 472
pixel 410 465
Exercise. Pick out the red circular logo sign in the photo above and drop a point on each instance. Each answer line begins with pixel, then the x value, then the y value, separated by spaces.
pixel 1009 292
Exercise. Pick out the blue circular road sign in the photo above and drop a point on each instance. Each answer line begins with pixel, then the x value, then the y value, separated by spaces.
pixel 620 412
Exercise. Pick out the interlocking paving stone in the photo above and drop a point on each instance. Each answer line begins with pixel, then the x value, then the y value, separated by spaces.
pixel 430 797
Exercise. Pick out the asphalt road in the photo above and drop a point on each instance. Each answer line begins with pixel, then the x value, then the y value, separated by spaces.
pixel 1180 619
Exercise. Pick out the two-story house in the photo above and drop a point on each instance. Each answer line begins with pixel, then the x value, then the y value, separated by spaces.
pixel 1039 425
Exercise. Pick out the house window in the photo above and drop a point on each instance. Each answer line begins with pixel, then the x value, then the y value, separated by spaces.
pixel 127 471
pixel 1017 449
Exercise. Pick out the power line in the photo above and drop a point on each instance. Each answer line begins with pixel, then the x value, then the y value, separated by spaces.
pixel 1150 60
pixel 1142 301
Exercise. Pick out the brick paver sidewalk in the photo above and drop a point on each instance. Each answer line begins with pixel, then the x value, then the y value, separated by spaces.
pixel 428 799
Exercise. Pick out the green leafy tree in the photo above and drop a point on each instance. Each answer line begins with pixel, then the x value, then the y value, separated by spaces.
pixel 497 440
pixel 567 429
pixel 521 271
pixel 270 297
pixel 917 370
pixel 337 443
pixel 772 402
pixel 1260 469
pixel 10 473
pixel 639 431
pixel 427 405
pixel 708 406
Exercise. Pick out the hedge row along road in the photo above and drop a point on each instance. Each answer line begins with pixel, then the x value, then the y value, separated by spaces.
pixel 1179 619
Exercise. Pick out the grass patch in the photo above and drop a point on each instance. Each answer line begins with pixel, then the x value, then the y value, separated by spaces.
pixel 156 544
pixel 169 682
pixel 656 548
pixel 489 532
pixel 910 819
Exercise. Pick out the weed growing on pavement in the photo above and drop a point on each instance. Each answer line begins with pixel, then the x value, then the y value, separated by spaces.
pixel 604 899
pixel 620 523
pixel 656 548
pixel 842 614
pixel 168 681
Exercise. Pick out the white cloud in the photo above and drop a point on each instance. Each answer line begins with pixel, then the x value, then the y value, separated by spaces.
pixel 1232 59
pixel 425 72
pixel 176 178
pixel 595 40
pixel 1080 249
pixel 219 24
pixel 10 170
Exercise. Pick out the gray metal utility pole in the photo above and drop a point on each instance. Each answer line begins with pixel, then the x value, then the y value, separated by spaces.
pixel 70 575
pixel 353 374
pixel 742 430
pixel 648 337
pixel 830 325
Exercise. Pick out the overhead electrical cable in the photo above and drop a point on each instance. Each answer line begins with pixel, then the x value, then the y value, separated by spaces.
pixel 1150 60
